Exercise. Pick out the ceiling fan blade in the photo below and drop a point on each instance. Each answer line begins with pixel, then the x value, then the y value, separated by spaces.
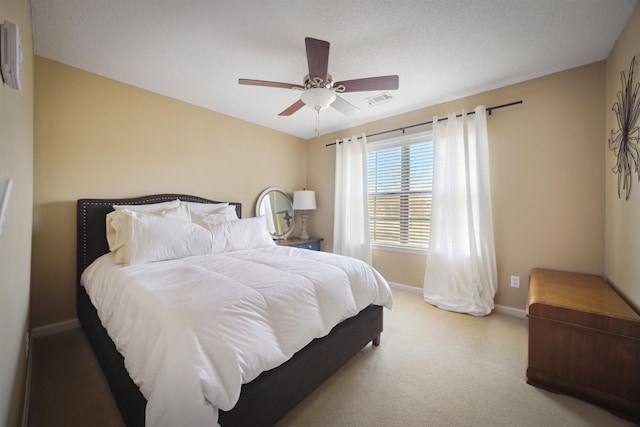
pixel 370 83
pixel 344 106
pixel 317 58
pixel 292 108
pixel 269 84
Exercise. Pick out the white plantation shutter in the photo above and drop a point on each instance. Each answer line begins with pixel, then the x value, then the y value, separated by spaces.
pixel 400 175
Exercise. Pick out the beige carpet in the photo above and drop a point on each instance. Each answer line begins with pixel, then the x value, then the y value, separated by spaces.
pixel 433 368
pixel 68 388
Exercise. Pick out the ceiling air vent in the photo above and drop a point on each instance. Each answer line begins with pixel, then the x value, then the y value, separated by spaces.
pixel 379 99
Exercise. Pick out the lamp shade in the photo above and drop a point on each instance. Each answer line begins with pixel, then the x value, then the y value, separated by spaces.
pixel 304 200
pixel 318 98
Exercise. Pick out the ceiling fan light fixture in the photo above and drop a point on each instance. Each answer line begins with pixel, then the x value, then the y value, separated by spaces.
pixel 318 98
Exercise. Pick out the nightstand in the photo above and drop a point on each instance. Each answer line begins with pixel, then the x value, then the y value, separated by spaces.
pixel 311 243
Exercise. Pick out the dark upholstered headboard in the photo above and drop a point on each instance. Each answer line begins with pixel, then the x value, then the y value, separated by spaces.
pixel 92 234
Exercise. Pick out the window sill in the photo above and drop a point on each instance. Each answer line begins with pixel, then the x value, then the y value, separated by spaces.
pixel 394 248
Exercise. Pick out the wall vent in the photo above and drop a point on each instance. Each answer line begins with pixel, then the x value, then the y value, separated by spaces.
pixel 379 99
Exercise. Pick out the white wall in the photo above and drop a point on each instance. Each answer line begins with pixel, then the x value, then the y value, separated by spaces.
pixel 16 161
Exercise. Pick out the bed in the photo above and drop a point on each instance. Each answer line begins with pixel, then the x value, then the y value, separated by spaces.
pixel 263 400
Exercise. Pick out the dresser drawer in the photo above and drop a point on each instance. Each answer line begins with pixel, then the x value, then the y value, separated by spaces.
pixel 314 246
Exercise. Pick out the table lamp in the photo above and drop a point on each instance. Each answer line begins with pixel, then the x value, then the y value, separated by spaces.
pixel 304 200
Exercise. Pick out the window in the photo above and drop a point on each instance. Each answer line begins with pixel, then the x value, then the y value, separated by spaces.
pixel 400 176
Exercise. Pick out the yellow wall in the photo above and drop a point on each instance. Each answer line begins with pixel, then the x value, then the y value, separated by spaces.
pixel 95 137
pixel 16 161
pixel 98 138
pixel 546 162
pixel 622 229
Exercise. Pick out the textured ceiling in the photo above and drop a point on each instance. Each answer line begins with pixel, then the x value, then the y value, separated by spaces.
pixel 196 51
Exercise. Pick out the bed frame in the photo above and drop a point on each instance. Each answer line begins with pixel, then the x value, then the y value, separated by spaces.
pixel 264 400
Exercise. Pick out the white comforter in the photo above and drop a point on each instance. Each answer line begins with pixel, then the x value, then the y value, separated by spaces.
pixel 193 330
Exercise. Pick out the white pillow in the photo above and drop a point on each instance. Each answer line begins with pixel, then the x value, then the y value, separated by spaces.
pixel 204 208
pixel 122 224
pixel 118 225
pixel 225 214
pixel 248 233
pixel 159 238
pixel 151 207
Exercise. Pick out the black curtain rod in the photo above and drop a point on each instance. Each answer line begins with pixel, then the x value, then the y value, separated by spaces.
pixel 488 109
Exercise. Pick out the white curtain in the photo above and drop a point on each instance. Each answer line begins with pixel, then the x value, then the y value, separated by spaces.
pixel 461 266
pixel 351 215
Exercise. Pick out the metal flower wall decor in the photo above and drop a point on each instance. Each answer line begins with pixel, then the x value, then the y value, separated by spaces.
pixel 625 141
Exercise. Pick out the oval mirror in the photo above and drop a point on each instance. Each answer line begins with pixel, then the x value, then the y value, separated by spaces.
pixel 275 204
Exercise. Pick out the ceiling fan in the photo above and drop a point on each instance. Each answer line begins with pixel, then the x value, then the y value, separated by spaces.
pixel 319 89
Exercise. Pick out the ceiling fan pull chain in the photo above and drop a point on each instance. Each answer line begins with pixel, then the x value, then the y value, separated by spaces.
pixel 317 121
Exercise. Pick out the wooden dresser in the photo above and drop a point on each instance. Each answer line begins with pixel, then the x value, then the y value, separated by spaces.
pixel 584 340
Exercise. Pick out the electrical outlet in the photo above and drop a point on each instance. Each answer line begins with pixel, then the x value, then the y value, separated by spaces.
pixel 515 281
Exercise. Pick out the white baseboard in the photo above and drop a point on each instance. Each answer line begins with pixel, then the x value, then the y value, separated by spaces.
pixel 515 312
pixel 55 328
pixel 406 288
pixel 27 388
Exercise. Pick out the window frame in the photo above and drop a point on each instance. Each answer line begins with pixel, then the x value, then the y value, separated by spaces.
pixel 400 141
